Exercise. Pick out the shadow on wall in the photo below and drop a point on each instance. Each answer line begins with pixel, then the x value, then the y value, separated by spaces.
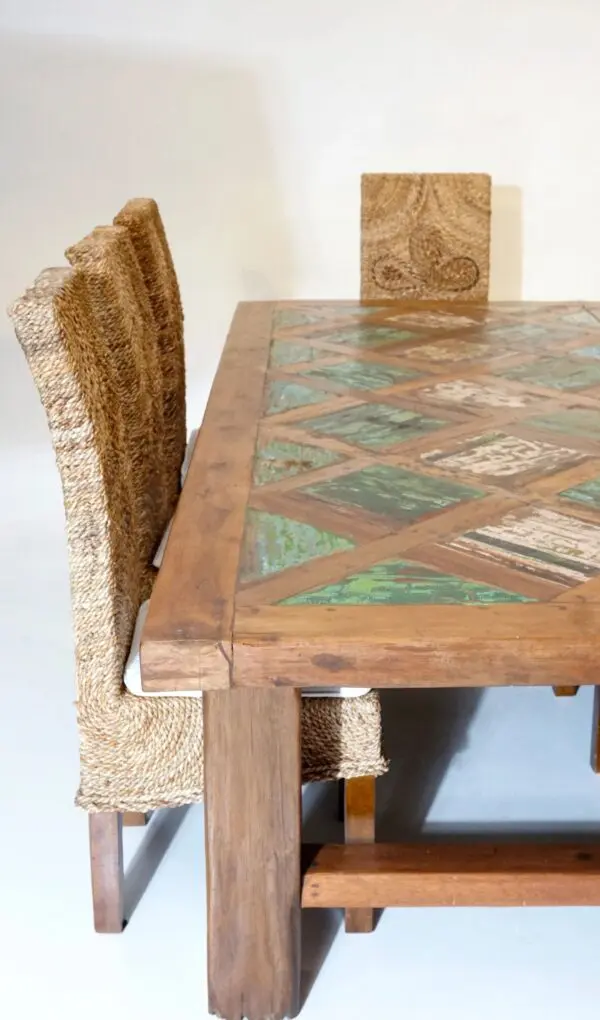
pixel 87 127
pixel 506 276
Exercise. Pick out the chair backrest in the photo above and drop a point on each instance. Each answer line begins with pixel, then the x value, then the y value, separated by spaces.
pixel 104 342
pixel 143 222
pixel 97 338
pixel 425 236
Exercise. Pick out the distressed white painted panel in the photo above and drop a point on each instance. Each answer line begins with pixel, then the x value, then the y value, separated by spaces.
pixel 476 394
pixel 434 320
pixel 450 350
pixel 575 542
pixel 503 456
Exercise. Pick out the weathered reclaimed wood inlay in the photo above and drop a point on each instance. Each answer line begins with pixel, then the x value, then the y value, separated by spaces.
pixel 399 491
pixel 471 393
pixel 285 396
pixel 564 549
pixel 362 375
pixel 372 425
pixel 575 422
pixel 402 583
pixel 392 492
pixel 273 542
pixel 278 459
pixel 562 373
pixel 588 493
pixel 501 456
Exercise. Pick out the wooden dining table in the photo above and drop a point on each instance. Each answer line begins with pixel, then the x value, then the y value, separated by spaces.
pixel 382 495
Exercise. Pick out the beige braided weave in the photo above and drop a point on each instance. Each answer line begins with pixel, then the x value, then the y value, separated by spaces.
pixel 104 342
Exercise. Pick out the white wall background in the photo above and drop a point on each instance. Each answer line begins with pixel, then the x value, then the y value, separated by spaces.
pixel 250 121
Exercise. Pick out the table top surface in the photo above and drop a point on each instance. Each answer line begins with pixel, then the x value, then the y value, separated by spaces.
pixel 378 463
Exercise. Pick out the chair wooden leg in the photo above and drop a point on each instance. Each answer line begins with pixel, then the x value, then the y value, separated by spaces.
pixel 565 692
pixel 253 836
pixel 133 819
pixel 359 827
pixel 106 854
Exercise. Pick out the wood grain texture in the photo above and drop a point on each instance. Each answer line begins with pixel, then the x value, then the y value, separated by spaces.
pixel 434 874
pixel 253 834
pixel 359 827
pixel 383 503
pixel 432 528
pixel 413 646
pixel 595 757
pixel 193 598
pixel 106 858
pixel 425 236
pixel 136 819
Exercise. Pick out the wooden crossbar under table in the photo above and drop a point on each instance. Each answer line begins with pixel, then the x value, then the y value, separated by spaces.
pixel 402 495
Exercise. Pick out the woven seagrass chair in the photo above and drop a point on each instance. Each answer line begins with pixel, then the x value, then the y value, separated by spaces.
pixel 104 341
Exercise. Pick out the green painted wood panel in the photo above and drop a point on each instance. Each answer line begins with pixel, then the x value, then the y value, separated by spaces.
pixel 588 493
pixel 362 375
pixel 557 373
pixel 393 492
pixel 368 336
pixel 285 352
pixel 373 426
pixel 291 318
pixel 285 396
pixel 588 352
pixel 273 543
pixel 575 423
pixel 279 460
pixel 400 582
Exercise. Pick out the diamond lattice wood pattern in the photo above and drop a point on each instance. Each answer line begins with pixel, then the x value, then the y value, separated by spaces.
pixel 399 494
pixel 469 438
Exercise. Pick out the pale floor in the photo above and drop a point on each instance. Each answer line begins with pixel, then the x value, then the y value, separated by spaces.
pixel 508 758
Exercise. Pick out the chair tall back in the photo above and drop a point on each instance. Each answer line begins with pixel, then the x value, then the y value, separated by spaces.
pixel 142 220
pixel 425 237
pixel 91 340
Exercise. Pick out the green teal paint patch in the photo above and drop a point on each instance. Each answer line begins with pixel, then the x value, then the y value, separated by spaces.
pixel 588 352
pixel 522 331
pixel 368 336
pixel 588 493
pixel 393 492
pixel 279 460
pixel 570 423
pixel 273 543
pixel 352 311
pixel 582 318
pixel 557 373
pixel 289 318
pixel 400 582
pixel 362 375
pixel 288 353
pixel 284 396
pixel 373 426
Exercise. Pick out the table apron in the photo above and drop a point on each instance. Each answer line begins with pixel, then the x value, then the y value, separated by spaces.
pixel 451 664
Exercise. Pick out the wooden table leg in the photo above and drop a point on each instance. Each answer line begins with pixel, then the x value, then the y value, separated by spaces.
pixel 252 759
pixel 359 827
pixel 596 731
